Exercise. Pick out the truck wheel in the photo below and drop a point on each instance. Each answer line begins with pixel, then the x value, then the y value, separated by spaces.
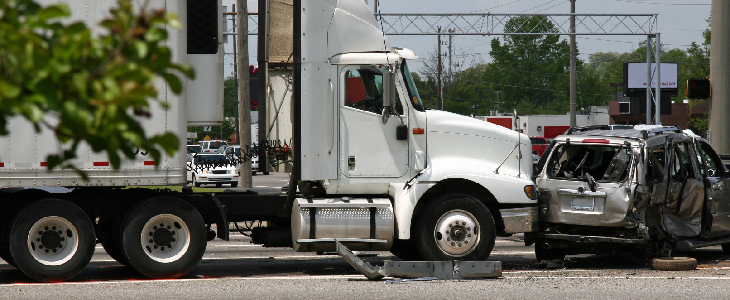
pixel 455 226
pixel 405 250
pixel 195 181
pixel 51 240
pixel 164 238
pixel 541 253
pixel 112 242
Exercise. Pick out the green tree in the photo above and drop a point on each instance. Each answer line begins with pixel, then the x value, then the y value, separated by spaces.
pixel 85 87
pixel 529 69
pixel 229 97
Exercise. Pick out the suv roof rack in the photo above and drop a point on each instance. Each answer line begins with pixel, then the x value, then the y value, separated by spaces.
pixel 576 129
pixel 644 133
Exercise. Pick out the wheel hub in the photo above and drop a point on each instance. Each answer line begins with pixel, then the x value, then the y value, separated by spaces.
pixel 165 238
pixel 53 241
pixel 456 233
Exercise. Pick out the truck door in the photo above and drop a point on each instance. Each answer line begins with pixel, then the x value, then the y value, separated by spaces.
pixel 685 194
pixel 369 148
pixel 717 183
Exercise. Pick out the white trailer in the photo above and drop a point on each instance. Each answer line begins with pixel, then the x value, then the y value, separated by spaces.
pixel 375 169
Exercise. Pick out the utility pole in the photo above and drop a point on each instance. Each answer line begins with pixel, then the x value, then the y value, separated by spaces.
pixel 439 96
pixel 235 75
pixel 573 53
pixel 244 92
pixel 720 76
pixel 263 80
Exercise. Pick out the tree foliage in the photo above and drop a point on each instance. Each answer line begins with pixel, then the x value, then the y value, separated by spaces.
pixel 87 88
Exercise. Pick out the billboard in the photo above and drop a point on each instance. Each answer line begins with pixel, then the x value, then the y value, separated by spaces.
pixel 635 78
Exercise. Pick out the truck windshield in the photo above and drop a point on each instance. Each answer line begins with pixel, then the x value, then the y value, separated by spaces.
pixel 411 86
pixel 604 163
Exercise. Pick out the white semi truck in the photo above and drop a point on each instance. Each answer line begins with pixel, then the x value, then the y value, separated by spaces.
pixel 375 169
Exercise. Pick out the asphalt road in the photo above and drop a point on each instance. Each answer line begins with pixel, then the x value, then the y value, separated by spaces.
pixel 239 269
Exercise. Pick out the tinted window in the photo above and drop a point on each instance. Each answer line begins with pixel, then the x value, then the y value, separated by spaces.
pixel 194 149
pixel 411 87
pixel 216 145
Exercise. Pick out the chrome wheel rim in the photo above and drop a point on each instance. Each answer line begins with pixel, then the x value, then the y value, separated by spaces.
pixel 457 233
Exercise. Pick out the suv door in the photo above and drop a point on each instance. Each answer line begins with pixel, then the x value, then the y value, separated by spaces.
pixel 684 189
pixel 717 183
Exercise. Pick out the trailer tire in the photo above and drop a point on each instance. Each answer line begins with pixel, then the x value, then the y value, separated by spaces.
pixel 164 238
pixel 112 242
pixel 455 226
pixel 673 263
pixel 35 231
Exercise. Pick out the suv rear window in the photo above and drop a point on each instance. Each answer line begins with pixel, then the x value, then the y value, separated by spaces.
pixel 216 145
pixel 604 163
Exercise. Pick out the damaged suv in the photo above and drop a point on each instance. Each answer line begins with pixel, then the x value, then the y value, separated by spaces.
pixel 650 192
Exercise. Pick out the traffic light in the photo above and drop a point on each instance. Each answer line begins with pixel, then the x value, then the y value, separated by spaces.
pixel 698 88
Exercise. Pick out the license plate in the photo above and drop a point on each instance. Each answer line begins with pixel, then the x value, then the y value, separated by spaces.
pixel 583 203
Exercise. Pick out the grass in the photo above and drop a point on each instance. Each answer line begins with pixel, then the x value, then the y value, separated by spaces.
pixel 177 188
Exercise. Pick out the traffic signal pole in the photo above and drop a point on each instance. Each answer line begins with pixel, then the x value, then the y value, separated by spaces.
pixel 720 76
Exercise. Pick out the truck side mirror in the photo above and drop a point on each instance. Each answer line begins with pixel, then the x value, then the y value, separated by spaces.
pixel 388 94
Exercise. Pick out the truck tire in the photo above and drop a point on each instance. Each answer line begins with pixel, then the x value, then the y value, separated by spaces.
pixel 547 254
pixel 195 182
pixel 164 238
pixel 455 226
pixel 673 263
pixel 51 240
pixel 405 250
pixel 112 242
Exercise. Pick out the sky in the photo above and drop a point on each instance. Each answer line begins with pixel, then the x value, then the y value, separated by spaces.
pixel 680 23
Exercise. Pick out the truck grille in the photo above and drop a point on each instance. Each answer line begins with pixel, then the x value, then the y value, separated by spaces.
pixel 220 171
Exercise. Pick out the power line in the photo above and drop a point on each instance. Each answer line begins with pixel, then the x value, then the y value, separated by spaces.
pixel 546 3
pixel 497 6
pixel 643 2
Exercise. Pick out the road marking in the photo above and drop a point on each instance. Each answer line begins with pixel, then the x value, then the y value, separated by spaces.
pixel 512 253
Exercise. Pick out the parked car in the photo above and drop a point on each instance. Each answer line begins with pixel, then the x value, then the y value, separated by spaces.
pixel 192 149
pixel 650 192
pixel 211 146
pixel 211 169
pixel 236 151
pixel 539 144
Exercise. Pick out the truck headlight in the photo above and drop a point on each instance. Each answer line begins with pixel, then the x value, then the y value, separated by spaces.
pixel 232 171
pixel 531 192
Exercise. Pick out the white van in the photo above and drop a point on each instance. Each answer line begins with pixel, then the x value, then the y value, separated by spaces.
pixel 211 146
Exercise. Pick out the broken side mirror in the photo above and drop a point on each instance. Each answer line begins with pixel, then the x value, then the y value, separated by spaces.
pixel 388 94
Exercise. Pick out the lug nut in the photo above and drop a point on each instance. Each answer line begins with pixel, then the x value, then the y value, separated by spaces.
pixel 154 227
pixel 60 232
pixel 46 250
pixel 53 228
pixel 151 241
pixel 453 244
pixel 469 235
pixel 468 228
pixel 459 244
pixel 450 225
pixel 447 232
pixel 466 242
pixel 151 234
pixel 448 238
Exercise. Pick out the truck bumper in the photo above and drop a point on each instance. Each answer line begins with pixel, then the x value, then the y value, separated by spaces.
pixel 516 220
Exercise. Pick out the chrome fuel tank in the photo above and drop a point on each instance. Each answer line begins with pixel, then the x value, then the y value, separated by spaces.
pixel 359 223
